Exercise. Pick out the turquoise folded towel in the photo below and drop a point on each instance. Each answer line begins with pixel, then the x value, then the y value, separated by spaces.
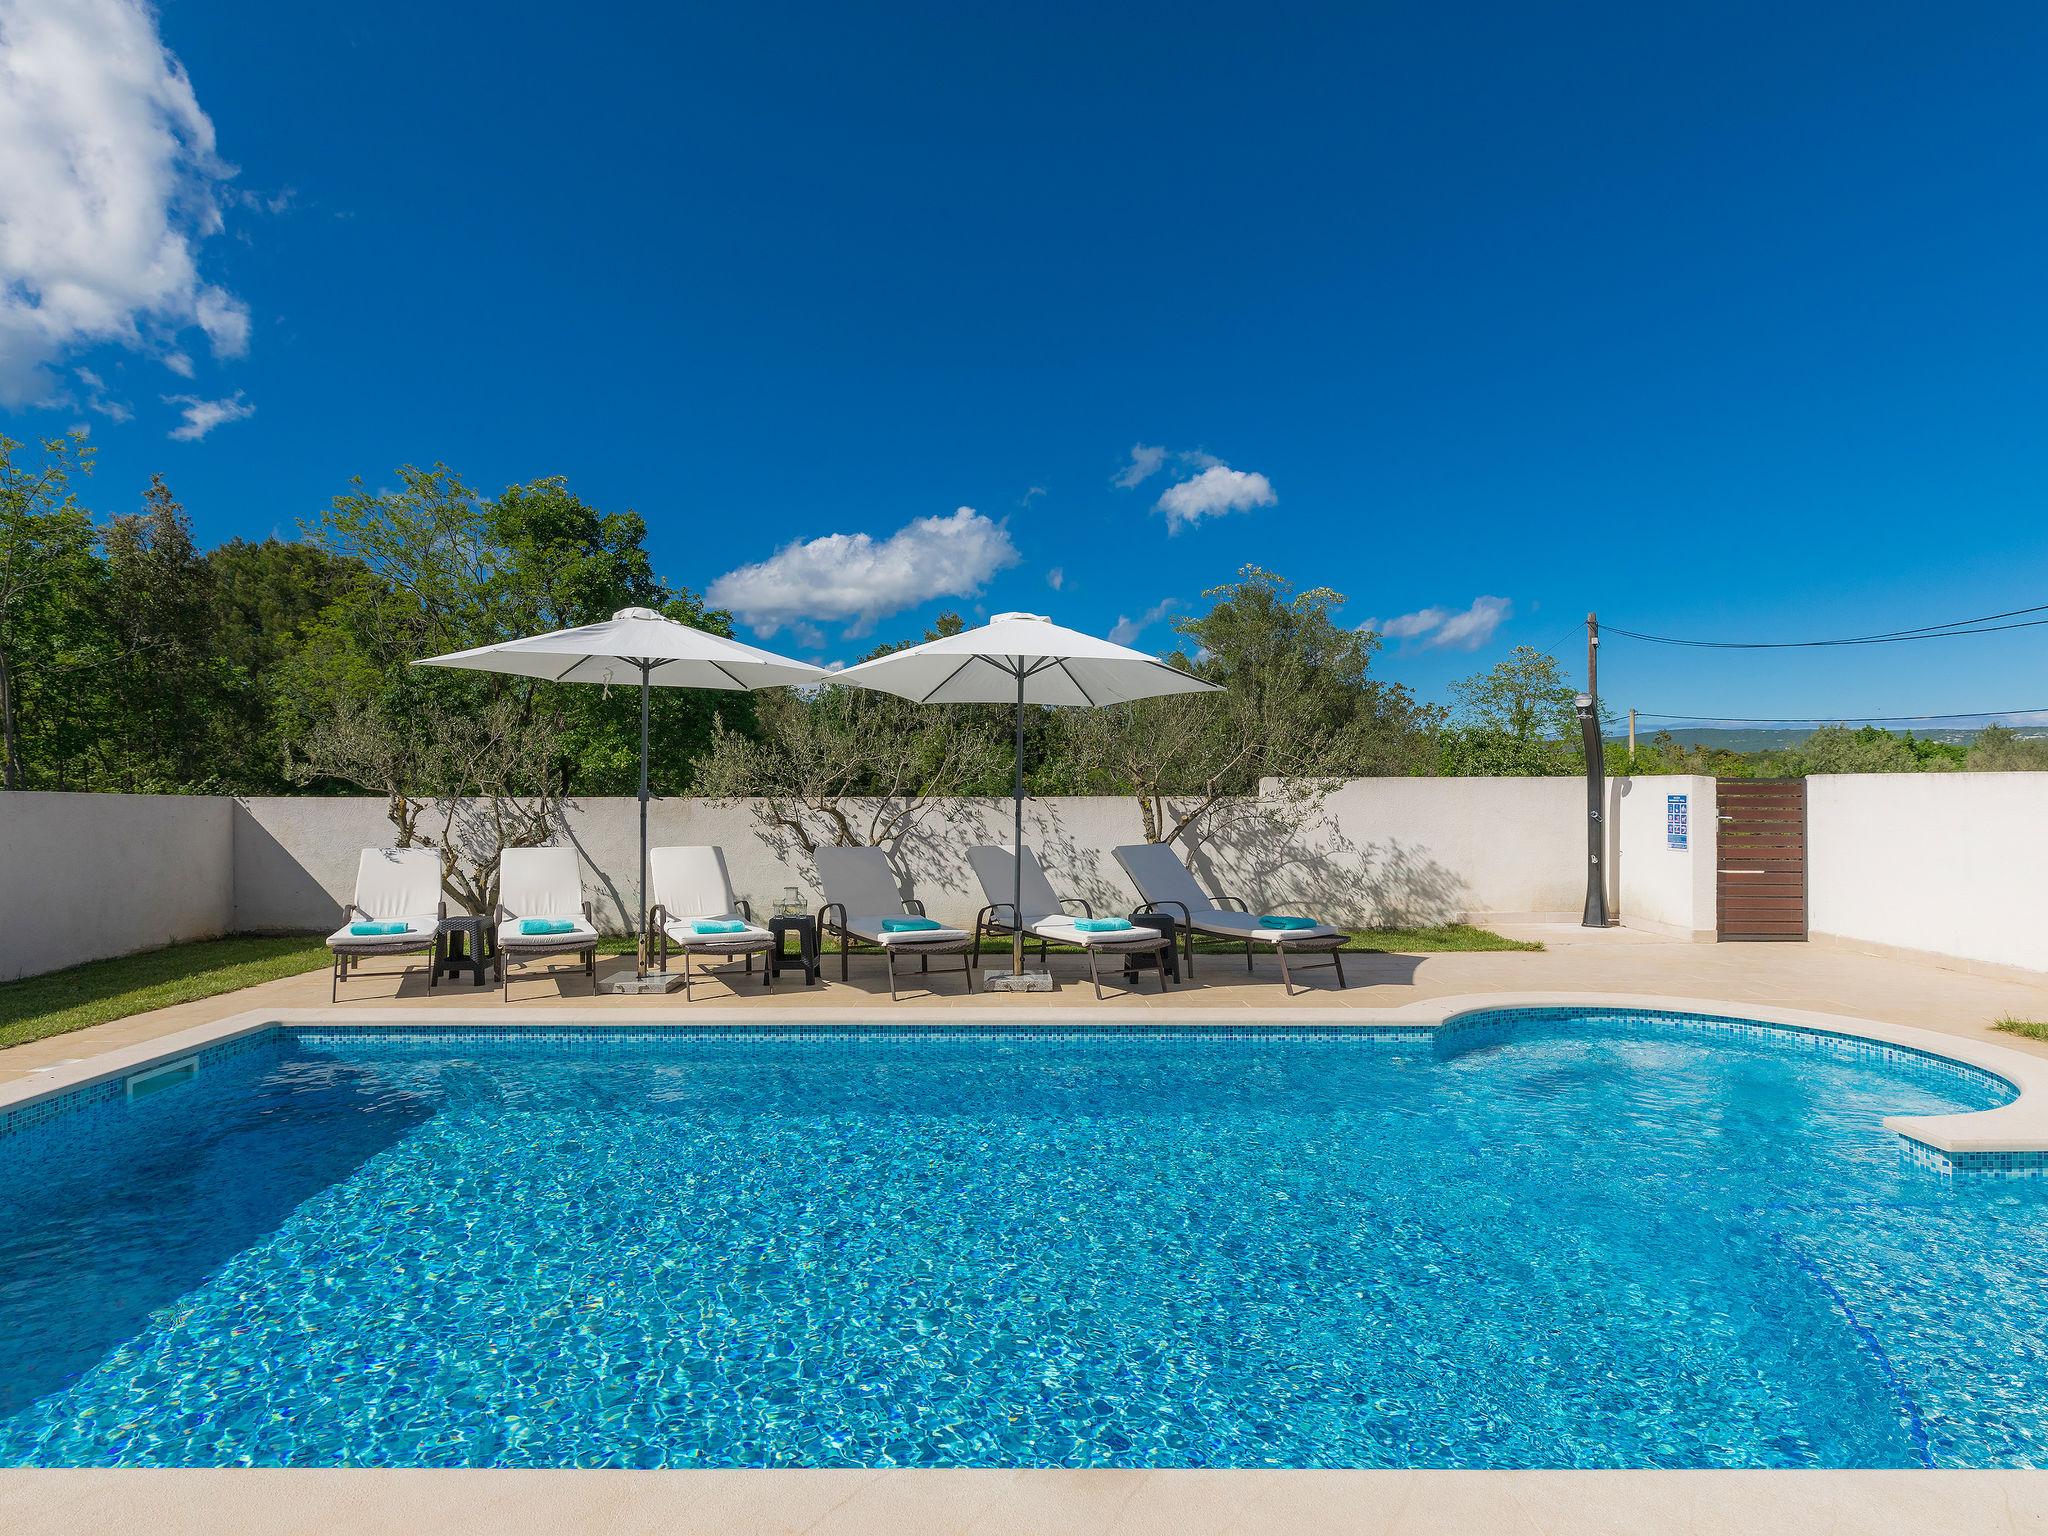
pixel 378 930
pixel 1102 924
pixel 1289 922
pixel 718 927
pixel 907 924
pixel 546 925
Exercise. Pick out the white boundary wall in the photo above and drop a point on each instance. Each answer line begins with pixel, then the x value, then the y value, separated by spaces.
pixel 82 876
pixel 1954 865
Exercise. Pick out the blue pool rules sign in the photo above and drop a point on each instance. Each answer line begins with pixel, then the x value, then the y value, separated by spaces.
pixel 1674 821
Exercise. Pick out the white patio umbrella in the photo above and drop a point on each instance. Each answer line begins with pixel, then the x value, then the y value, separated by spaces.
pixel 636 641
pixel 1023 658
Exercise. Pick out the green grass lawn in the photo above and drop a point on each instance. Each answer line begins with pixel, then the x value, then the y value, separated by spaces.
pixel 55 1004
pixel 102 990
pixel 2033 1029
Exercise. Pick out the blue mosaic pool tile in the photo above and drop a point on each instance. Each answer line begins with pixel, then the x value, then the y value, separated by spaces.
pixel 1496 1025
pixel 1975 1165
pixel 82 1106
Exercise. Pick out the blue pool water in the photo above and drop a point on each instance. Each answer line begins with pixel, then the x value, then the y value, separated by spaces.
pixel 1594 1240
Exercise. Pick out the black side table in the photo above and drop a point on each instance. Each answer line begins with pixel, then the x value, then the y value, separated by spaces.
pixel 805 927
pixel 1169 959
pixel 462 945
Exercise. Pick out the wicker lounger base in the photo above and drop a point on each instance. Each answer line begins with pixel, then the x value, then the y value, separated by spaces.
pixel 1331 944
pixel 1147 941
pixel 348 957
pixel 512 949
pixel 1141 941
pixel 853 943
pixel 743 946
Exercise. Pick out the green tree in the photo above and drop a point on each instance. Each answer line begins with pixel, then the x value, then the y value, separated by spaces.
pixel 1518 718
pixel 432 567
pixel 163 682
pixel 268 598
pixel 856 767
pixel 2001 749
pixel 1299 705
pixel 1867 749
pixel 49 614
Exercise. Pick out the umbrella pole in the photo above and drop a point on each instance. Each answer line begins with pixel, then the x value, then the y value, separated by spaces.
pixel 640 943
pixel 1017 864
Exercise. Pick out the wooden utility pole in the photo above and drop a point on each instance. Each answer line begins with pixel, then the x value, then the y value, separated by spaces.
pixel 1631 737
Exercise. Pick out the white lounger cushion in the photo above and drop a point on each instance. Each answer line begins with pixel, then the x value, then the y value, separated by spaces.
pixel 869 926
pixel 684 931
pixel 994 865
pixel 691 884
pixel 858 879
pixel 1158 873
pixel 542 882
pixel 577 937
pixel 395 885
pixel 861 881
pixel 1245 925
pixel 1156 870
pixel 1061 930
pixel 419 934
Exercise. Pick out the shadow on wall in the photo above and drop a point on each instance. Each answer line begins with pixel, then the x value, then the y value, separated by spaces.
pixel 271 880
pixel 1075 868
pixel 614 911
pixel 1279 853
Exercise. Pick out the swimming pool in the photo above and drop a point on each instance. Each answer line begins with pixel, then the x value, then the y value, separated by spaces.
pixel 1542 1239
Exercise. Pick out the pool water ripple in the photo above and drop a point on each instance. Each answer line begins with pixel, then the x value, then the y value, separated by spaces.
pixel 1595 1241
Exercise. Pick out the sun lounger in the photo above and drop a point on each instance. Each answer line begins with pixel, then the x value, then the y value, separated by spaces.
pixel 1046 917
pixel 396 889
pixel 542 888
pixel 1168 885
pixel 864 908
pixel 693 894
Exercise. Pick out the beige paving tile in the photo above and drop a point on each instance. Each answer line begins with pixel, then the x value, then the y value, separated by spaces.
pixel 1024 1503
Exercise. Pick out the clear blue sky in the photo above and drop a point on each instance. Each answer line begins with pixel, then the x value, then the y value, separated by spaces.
pixel 1727 321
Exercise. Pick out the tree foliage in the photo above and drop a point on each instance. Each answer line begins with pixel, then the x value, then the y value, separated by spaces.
pixel 433 567
pixel 850 766
pixel 1516 719
pixel 1299 704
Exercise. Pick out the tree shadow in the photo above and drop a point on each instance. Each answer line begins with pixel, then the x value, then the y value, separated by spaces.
pixel 1282 852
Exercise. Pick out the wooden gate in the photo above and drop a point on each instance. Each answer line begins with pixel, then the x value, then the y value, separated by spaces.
pixel 1760 863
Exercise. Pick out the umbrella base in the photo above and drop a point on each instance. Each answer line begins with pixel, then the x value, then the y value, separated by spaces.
pixel 1016 981
pixel 639 986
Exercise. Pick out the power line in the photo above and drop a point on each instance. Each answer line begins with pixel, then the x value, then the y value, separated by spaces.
pixel 1983 624
pixel 1968 714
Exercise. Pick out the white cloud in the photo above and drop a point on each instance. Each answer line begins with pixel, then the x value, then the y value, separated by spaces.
pixel 108 189
pixel 1408 625
pixel 96 397
pixel 202 416
pixel 1441 629
pixel 1146 461
pixel 1056 578
pixel 1031 494
pixel 857 579
pixel 1125 630
pixel 1471 629
pixel 1215 491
